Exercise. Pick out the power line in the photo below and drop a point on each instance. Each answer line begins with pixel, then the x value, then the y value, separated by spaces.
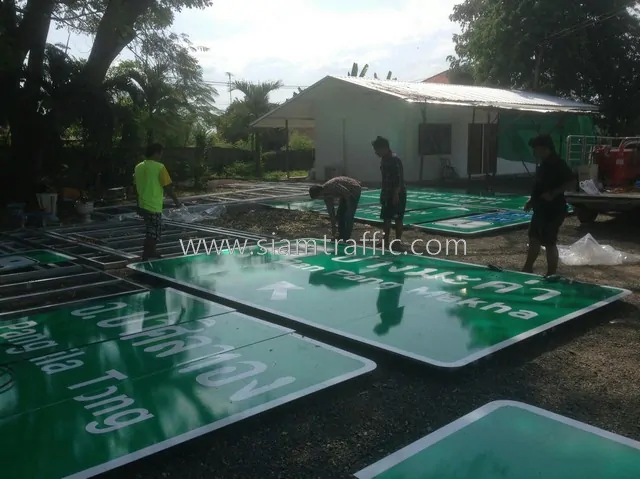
pixel 589 22
pixel 225 83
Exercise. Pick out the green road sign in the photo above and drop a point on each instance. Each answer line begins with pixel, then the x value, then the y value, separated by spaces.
pixel 371 195
pixel 444 313
pixel 371 213
pixel 125 398
pixel 445 197
pixel 511 440
pixel 445 212
pixel 14 262
pixel 463 199
pixel 99 320
pixel 480 223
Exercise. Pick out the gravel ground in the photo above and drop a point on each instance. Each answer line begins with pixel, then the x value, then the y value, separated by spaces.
pixel 589 371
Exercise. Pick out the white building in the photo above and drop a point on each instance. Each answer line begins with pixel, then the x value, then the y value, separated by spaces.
pixel 428 125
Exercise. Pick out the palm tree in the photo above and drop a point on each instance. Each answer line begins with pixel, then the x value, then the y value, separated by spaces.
pixel 149 89
pixel 256 95
pixel 256 101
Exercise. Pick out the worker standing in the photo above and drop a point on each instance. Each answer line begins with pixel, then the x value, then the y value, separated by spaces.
pixel 393 195
pixel 151 181
pixel 553 178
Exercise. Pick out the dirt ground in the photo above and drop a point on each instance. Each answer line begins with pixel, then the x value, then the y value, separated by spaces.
pixel 589 371
pixel 506 250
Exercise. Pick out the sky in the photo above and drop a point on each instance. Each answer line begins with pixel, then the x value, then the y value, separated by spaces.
pixel 301 41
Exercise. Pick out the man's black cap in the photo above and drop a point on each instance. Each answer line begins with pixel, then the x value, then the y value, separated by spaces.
pixel 544 141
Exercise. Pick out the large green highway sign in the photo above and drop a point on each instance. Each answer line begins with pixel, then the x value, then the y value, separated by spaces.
pixel 511 440
pixel 110 381
pixel 444 313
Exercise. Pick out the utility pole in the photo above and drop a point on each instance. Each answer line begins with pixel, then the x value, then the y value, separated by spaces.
pixel 229 84
pixel 538 67
pixel 66 47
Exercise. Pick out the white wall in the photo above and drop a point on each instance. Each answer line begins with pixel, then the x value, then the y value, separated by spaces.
pixel 349 117
pixel 362 115
pixel 459 118
pixel 507 167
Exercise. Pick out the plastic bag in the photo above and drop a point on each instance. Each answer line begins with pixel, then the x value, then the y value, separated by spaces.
pixel 590 188
pixel 186 214
pixel 587 251
pixel 193 214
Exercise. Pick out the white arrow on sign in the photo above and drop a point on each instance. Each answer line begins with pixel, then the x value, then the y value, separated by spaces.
pixel 280 290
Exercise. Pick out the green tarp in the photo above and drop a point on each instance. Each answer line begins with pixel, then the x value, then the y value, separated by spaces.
pixel 516 129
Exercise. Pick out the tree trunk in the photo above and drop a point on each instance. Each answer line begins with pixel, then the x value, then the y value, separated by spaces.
pixel 29 132
pixel 537 69
pixel 115 31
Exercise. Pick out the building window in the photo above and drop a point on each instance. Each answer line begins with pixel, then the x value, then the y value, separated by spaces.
pixel 434 139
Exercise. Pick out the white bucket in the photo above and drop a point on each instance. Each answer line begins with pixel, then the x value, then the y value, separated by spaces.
pixel 84 208
pixel 48 202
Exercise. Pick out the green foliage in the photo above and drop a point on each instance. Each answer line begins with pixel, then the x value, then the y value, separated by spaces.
pixel 53 92
pixel 233 126
pixel 216 140
pixel 355 72
pixel 584 50
pixel 268 157
pixel 240 170
pixel 171 92
pixel 298 141
pixel 389 75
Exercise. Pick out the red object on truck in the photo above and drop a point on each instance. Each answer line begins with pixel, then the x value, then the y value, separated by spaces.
pixel 618 166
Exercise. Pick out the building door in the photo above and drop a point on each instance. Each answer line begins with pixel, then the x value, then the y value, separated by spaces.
pixel 482 150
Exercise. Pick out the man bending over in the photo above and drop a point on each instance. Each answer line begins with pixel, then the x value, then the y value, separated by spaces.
pixel 347 191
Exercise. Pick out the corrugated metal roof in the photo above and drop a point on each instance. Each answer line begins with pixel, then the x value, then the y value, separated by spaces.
pixel 470 95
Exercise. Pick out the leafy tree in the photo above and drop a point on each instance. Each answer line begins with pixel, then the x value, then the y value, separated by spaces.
pixel 233 125
pixel 583 50
pixel 171 95
pixel 298 141
pixel 24 28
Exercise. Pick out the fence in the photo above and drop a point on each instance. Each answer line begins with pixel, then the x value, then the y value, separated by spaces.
pixel 117 167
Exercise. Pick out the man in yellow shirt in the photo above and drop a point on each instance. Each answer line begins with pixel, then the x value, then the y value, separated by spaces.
pixel 151 181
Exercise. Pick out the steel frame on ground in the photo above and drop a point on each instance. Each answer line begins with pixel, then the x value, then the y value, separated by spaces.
pixel 232 197
pixel 94 255
pixel 127 236
pixel 41 288
pixel 9 245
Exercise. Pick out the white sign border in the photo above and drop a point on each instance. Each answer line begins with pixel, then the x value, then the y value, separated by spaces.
pixel 383 465
pixel 376 344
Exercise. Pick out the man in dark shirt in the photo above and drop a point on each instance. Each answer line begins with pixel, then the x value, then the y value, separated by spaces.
pixel 393 195
pixel 553 178
pixel 347 191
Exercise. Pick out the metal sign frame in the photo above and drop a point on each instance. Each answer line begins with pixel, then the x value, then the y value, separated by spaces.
pixel 10 245
pixel 248 195
pixel 93 255
pixel 126 237
pixel 51 285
